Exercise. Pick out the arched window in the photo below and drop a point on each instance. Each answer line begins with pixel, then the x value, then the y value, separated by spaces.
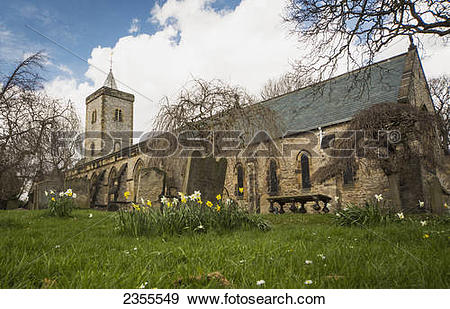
pixel 92 149
pixel 94 117
pixel 240 180
pixel 118 115
pixel 304 162
pixel 272 178
pixel 348 176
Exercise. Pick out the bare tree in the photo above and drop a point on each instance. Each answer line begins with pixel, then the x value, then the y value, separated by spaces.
pixel 440 92
pixel 288 82
pixel 355 31
pixel 31 124
pixel 206 105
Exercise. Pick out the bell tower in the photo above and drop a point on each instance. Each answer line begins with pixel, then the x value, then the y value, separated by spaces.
pixel 109 120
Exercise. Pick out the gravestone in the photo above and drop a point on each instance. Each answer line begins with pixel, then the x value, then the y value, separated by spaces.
pixel 151 185
pixel 205 175
pixel 80 186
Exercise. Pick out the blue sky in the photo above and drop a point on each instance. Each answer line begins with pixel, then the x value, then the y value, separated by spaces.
pixel 79 26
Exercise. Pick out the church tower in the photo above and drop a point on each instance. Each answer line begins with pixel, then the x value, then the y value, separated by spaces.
pixel 109 120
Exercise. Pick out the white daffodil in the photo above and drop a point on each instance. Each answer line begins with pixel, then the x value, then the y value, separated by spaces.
pixel 57 246
pixel 378 197
pixel 423 223
pixel 46 193
pixel 142 201
pixel 175 201
pixel 421 204
pixel 197 194
pixel 61 194
pixel 401 216
pixel 308 282
pixel 52 192
pixel 74 195
pixel 308 262
pixel 260 282
pixel 164 200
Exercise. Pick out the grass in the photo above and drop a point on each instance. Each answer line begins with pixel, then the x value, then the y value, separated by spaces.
pixel 37 251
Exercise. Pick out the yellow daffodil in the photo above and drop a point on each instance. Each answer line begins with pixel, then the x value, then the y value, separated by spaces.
pixel 218 208
pixel 53 199
pixel 218 197
pixel 209 204
pixel 183 200
pixel 127 194
pixel 199 201
pixel 169 204
pixel 426 236
pixel 241 190
pixel 149 203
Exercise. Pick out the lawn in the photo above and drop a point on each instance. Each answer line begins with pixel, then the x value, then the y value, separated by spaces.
pixel 80 252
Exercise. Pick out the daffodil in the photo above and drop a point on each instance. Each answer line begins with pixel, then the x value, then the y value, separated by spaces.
pixel 183 200
pixel 401 216
pixel 209 204
pixel 218 208
pixel 126 194
pixel 218 197
pixel 423 223
pixel 46 193
pixel 149 203
pixel 421 204
pixel 241 190
pixel 308 282
pixel 426 236
pixel 175 201
pixel 199 201
pixel 53 199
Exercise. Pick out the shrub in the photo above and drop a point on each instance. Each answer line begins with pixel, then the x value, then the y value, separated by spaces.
pixel 61 205
pixel 371 213
pixel 189 214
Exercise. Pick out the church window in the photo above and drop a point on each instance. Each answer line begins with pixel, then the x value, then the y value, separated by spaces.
pixel 272 178
pixel 118 115
pixel 94 117
pixel 304 162
pixel 348 176
pixel 240 180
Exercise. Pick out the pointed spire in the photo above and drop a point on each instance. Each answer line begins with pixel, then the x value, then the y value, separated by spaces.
pixel 110 81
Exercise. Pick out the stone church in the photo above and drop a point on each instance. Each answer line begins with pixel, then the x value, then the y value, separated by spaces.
pixel 270 184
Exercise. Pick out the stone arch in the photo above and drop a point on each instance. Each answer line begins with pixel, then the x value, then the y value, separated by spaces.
pixel 253 197
pixel 273 176
pixel 97 192
pixel 304 169
pixel 112 186
pixel 122 183
pixel 137 177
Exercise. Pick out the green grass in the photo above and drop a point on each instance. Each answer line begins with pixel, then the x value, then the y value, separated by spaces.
pixel 92 254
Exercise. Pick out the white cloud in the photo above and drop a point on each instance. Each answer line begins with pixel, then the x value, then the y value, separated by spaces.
pixel 134 27
pixel 244 46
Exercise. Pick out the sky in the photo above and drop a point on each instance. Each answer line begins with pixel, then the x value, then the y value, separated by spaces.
pixel 158 46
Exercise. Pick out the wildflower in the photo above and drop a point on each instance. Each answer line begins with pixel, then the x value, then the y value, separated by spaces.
pixel 127 194
pixel 338 214
pixel 143 285
pixel 423 223
pixel 200 227
pixel 46 193
pixel 149 203
pixel 142 201
pixel 308 262
pixel 260 282
pixel 61 194
pixel 57 246
pixel 421 204
pixel 135 206
pixel 242 261
pixel 52 192
pixel 351 247
pixel 218 208
pixel 127 252
pixel 192 197
pixel 90 215
pixel 323 257
pixel 199 201
pixel 53 199
pixel 68 192
pixel 308 282
pixel 401 216
pixel 164 200
pixel 378 197
pixel 209 204
pixel 135 249
pixel 197 194
pixel 241 190
pixel 218 197
pixel 426 236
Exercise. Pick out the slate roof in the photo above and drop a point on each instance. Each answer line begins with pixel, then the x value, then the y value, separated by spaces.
pixel 338 99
